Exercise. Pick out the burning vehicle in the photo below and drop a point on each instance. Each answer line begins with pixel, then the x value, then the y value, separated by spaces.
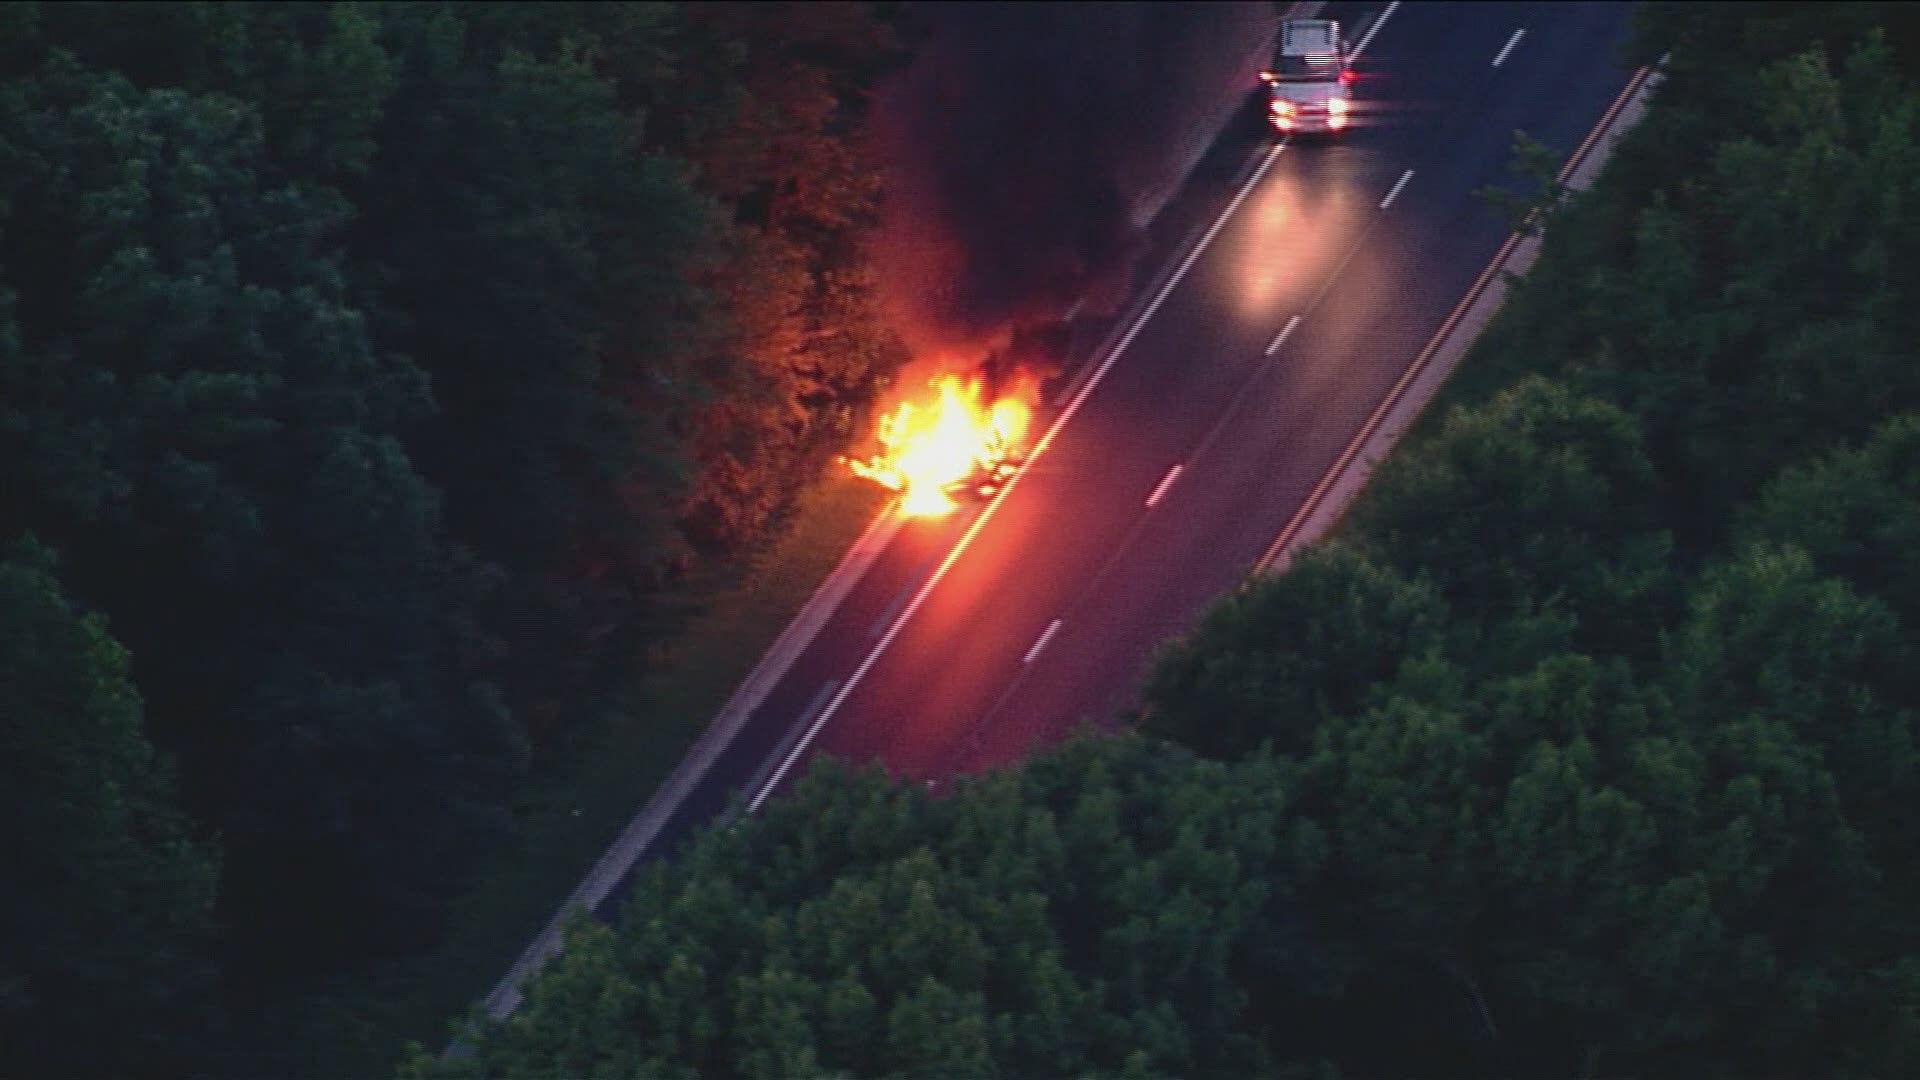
pixel 962 445
pixel 970 432
pixel 1012 214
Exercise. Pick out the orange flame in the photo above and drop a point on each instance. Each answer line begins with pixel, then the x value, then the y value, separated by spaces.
pixel 928 452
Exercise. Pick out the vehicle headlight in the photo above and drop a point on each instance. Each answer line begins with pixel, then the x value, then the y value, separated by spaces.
pixel 1337 106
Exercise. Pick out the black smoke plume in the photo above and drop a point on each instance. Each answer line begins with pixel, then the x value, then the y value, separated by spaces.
pixel 1026 144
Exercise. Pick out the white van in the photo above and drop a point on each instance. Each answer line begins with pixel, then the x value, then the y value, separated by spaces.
pixel 1307 88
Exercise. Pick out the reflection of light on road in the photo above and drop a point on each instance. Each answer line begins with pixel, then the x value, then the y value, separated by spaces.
pixel 1270 219
pixel 1292 234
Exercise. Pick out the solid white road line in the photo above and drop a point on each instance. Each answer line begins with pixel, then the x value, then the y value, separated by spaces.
pixel 818 701
pixel 1045 636
pixel 1511 42
pixel 1164 485
pixel 1374 29
pixel 1253 162
pixel 1190 248
pixel 1187 264
pixel 1365 22
pixel 1402 182
pixel 1281 338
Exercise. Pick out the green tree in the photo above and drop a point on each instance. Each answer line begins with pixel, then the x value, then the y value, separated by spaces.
pixel 1765 313
pixel 107 916
pixel 1561 869
pixel 1853 511
pixel 316 72
pixel 1771 641
pixel 1535 165
pixel 765 104
pixel 1575 527
pixel 194 413
pixel 1276 662
pixel 517 246
pixel 1081 917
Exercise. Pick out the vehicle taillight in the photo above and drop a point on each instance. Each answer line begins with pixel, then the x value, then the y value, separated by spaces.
pixel 1346 76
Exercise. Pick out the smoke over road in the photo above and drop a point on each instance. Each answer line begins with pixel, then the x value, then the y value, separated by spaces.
pixel 1025 143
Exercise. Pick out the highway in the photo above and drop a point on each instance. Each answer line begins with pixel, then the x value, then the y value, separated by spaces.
pixel 1291 286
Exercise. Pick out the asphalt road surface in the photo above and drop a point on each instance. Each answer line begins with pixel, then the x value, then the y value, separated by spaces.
pixel 1336 265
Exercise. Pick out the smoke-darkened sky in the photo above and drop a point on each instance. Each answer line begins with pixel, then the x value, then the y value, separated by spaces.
pixel 1021 143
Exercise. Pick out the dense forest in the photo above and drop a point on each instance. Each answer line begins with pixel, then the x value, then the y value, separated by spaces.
pixel 370 375
pixel 1587 747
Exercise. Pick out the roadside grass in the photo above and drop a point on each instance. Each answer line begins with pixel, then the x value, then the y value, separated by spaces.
pixel 573 808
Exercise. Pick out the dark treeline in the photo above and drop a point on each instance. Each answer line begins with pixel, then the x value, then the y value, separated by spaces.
pixel 1587 749
pixel 368 373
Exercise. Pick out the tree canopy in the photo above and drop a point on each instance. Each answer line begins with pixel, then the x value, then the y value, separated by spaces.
pixel 1083 917
pixel 106 920
pixel 381 371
